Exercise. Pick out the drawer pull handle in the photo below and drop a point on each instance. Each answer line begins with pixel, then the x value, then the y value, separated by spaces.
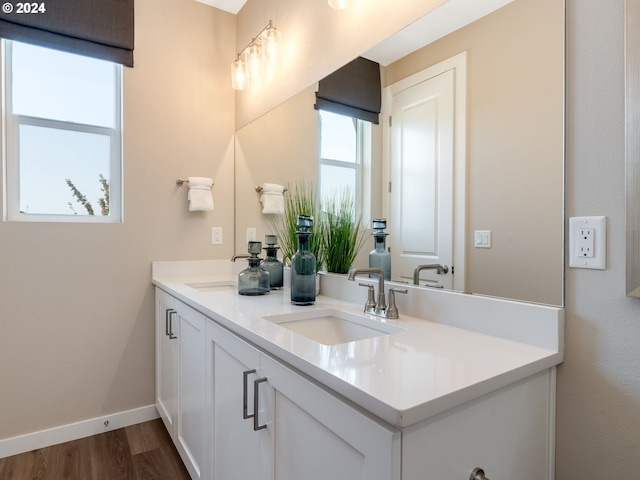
pixel 245 401
pixel 256 407
pixel 477 474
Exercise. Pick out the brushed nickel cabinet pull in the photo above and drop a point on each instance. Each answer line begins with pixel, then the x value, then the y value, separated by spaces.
pixel 245 401
pixel 170 324
pixel 256 407
pixel 166 320
pixel 477 474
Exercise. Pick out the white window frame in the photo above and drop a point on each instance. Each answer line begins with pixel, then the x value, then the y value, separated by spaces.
pixel 11 128
pixel 363 132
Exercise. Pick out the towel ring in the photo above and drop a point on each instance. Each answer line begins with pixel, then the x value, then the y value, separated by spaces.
pixel 182 181
pixel 259 189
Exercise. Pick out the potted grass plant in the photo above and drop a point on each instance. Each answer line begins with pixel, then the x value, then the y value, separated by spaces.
pixel 300 199
pixel 340 231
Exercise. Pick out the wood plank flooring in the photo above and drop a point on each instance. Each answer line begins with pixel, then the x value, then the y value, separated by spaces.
pixel 137 452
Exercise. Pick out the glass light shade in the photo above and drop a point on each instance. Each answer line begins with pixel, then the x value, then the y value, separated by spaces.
pixel 271 45
pixel 239 77
pixel 253 61
pixel 339 4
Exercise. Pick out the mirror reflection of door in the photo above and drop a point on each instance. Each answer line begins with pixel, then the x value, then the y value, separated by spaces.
pixel 422 176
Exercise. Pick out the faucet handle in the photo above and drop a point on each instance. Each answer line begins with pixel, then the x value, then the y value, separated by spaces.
pixel 392 310
pixel 370 306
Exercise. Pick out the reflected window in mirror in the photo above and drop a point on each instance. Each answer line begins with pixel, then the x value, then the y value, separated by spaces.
pixel 341 155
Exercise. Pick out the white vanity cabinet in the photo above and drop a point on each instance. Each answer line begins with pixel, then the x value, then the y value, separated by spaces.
pixel 236 411
pixel 180 378
pixel 270 422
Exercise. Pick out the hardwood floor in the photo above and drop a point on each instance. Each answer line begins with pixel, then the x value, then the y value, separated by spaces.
pixel 138 452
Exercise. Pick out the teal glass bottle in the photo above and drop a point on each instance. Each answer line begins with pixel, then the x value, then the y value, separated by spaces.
pixel 271 263
pixel 303 265
pixel 254 280
pixel 379 256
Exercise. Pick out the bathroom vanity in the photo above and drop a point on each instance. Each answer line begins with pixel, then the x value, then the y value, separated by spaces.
pixel 255 387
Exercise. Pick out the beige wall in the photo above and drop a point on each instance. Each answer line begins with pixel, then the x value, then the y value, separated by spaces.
pixel 514 145
pixel 76 303
pixel 598 417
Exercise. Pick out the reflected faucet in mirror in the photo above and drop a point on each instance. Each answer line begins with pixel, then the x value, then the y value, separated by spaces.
pixel 440 270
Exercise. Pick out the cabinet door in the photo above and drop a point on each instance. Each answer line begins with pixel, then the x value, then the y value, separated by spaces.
pixel 508 433
pixel 239 451
pixel 166 360
pixel 191 427
pixel 318 436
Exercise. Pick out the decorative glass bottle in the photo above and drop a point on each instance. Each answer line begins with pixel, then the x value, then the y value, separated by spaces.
pixel 253 280
pixel 271 263
pixel 303 265
pixel 379 256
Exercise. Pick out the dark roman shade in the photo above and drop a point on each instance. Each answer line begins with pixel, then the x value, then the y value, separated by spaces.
pixel 353 90
pixel 95 28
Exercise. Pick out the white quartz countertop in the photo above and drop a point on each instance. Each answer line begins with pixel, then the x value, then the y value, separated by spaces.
pixel 402 378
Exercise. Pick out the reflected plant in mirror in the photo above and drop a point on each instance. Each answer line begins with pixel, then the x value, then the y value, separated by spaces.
pixel 340 230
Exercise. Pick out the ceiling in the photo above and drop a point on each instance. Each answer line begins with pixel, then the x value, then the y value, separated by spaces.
pixel 449 17
pixel 232 6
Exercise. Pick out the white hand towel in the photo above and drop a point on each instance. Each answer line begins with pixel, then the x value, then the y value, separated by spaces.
pixel 272 199
pixel 200 197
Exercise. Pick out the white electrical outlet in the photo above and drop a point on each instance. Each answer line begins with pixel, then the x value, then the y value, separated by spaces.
pixel 216 235
pixel 588 242
pixel 251 234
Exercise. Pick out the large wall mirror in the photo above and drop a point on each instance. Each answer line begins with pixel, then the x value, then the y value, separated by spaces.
pixel 632 126
pixel 513 142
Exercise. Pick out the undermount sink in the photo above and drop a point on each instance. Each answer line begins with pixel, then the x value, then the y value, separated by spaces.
pixel 332 327
pixel 216 286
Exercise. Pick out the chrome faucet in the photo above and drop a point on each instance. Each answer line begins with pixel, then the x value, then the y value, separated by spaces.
pixel 239 255
pixel 379 307
pixel 440 269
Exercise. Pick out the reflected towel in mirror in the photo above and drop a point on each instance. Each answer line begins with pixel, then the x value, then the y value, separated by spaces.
pixel 272 199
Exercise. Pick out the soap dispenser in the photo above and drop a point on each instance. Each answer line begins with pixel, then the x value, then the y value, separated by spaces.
pixel 253 280
pixel 379 256
pixel 303 265
pixel 271 263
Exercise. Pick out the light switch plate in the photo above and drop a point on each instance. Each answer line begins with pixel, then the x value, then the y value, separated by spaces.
pixel 482 239
pixel 588 242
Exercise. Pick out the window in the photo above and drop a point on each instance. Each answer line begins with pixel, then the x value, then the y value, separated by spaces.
pixel 341 155
pixel 63 136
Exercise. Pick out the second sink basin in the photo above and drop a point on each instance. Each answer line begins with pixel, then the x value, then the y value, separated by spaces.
pixel 330 326
pixel 215 286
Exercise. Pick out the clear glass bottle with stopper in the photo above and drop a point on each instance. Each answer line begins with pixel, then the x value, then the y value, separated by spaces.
pixel 253 280
pixel 303 265
pixel 379 256
pixel 271 263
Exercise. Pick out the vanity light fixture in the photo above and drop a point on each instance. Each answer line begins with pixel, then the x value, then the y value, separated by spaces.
pixel 259 56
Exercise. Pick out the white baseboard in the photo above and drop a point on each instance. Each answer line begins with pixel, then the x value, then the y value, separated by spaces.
pixel 74 431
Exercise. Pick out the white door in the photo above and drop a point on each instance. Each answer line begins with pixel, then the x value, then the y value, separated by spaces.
pixel 422 179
